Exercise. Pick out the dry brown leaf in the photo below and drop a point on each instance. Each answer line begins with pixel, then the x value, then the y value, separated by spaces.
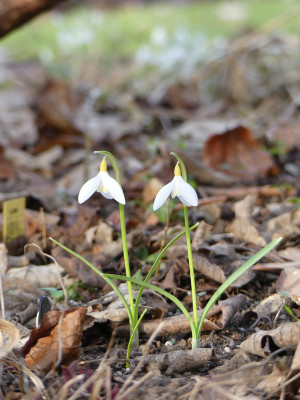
pixel 289 281
pixel 36 221
pixel 296 359
pixel 284 335
pixel 229 308
pixel 38 276
pixel 288 136
pixel 208 269
pixel 237 153
pixel 203 173
pixel 245 278
pixel 269 305
pixel 274 380
pixel 242 226
pixel 199 235
pixel 295 370
pixel 285 225
pixel 118 315
pixel 243 230
pixel 9 338
pixel 290 253
pixel 59 331
pixel 77 268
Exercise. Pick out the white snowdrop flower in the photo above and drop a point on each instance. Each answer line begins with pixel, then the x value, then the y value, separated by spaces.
pixel 104 184
pixel 178 187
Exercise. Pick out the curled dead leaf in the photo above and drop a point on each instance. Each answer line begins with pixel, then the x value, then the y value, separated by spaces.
pixel 229 308
pixel 57 340
pixel 284 335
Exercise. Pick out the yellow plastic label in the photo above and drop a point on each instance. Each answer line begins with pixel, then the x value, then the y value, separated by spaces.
pixel 13 216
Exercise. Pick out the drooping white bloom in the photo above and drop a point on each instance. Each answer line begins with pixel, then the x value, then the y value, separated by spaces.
pixel 103 183
pixel 178 187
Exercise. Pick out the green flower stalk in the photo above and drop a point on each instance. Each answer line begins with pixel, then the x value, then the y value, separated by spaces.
pixel 111 188
pixel 179 187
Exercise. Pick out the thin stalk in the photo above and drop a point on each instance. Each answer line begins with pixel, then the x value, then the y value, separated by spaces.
pixel 153 268
pixel 134 330
pixel 116 168
pixel 195 339
pixel 196 342
pixel 126 258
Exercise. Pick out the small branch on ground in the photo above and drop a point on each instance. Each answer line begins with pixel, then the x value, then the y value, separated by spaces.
pixel 15 13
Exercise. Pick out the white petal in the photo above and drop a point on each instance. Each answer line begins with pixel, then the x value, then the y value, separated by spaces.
pixel 162 195
pixel 188 194
pixel 107 195
pixel 89 188
pixel 183 201
pixel 114 189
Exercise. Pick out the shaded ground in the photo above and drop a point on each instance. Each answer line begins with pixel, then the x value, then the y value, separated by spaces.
pixel 235 122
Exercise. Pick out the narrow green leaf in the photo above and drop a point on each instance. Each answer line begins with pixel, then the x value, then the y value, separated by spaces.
pixel 159 290
pixel 253 260
pixel 108 280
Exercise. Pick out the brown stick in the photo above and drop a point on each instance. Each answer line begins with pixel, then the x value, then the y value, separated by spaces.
pixel 15 13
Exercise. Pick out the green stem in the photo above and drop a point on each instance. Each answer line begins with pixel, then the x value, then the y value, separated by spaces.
pixel 132 336
pixel 116 168
pixel 126 258
pixel 191 265
pixel 153 268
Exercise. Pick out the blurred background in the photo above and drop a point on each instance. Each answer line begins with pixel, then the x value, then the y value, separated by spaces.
pixel 142 78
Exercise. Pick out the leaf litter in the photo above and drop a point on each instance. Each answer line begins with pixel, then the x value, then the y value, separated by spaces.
pixel 245 167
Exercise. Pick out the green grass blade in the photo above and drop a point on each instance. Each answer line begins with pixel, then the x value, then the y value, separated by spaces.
pixel 153 268
pixel 107 279
pixel 159 290
pixel 133 333
pixel 253 260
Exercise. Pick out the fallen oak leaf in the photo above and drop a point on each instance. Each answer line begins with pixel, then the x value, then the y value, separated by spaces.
pixel 59 331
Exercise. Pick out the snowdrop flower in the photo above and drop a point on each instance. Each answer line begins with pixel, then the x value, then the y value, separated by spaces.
pixel 104 184
pixel 178 187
